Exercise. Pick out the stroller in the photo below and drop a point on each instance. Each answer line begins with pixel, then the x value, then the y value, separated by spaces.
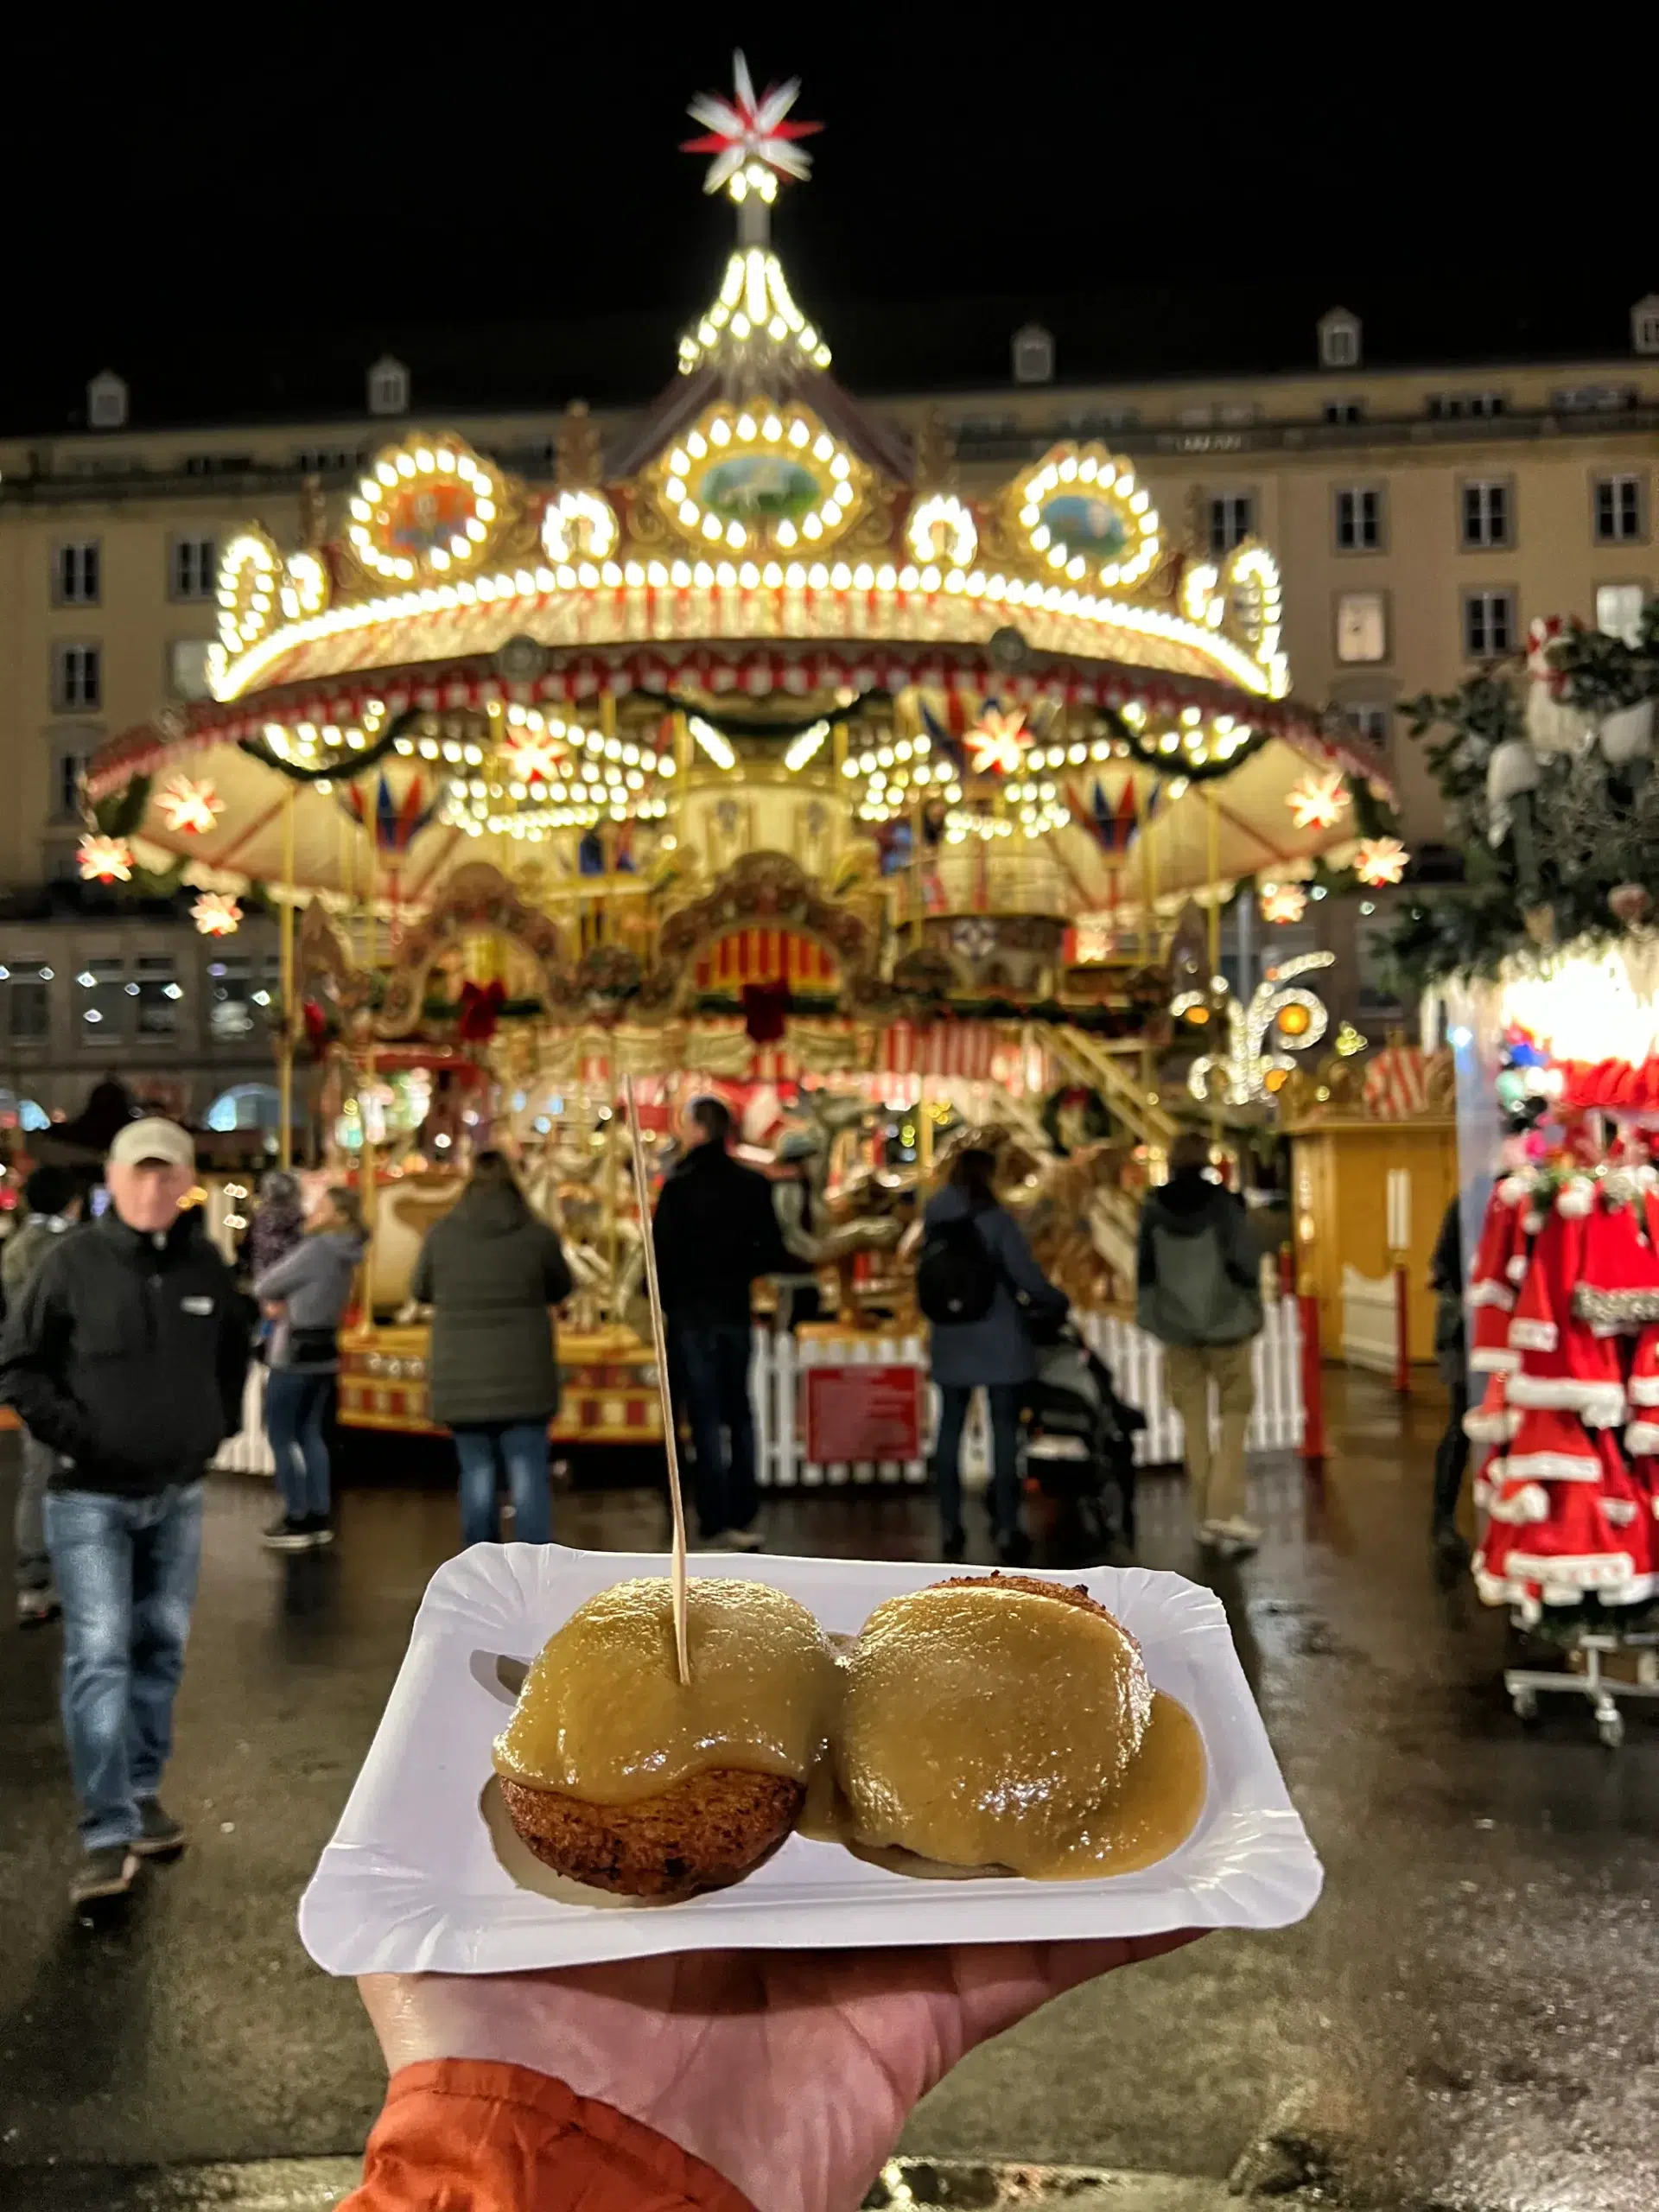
pixel 1080 1441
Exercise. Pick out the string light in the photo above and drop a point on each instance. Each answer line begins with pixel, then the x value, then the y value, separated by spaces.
pixel 1378 861
pixel 105 860
pixel 215 913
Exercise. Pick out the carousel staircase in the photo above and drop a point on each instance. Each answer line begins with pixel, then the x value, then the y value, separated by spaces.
pixel 1117 1078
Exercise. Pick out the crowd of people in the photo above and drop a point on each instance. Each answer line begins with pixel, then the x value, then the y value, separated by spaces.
pixel 129 1337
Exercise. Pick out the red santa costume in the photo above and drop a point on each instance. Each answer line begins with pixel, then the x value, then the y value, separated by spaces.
pixel 1567 1518
pixel 1498 1267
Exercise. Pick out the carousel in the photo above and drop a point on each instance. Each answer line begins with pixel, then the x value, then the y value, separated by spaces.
pixel 751 752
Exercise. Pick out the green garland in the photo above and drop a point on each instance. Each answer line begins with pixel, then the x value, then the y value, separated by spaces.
pixel 1540 872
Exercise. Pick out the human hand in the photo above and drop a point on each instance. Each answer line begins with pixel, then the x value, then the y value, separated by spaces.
pixel 790 2073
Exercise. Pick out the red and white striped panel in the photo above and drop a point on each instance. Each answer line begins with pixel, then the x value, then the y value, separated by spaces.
pixel 953 1048
pixel 765 956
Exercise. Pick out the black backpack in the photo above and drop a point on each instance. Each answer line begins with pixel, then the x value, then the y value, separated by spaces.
pixel 958 1274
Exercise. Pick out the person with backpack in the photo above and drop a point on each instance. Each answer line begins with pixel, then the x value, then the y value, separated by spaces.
pixel 977 1283
pixel 1199 1292
pixel 54 1201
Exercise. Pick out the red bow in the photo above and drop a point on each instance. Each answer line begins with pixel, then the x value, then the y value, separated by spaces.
pixel 480 1012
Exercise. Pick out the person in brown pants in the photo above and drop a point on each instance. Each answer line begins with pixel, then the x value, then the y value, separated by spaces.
pixel 1199 1292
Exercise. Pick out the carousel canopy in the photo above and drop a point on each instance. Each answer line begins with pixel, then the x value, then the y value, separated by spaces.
pixel 759 568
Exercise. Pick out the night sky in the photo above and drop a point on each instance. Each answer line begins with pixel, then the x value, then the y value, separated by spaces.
pixel 510 212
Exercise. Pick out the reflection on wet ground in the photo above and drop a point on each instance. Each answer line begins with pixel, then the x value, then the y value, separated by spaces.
pixel 1468 2018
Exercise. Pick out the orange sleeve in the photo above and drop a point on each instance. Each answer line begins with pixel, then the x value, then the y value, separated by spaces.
pixel 472 2135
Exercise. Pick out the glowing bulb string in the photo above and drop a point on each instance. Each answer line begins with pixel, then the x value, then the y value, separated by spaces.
pixel 765 726
pixel 338 771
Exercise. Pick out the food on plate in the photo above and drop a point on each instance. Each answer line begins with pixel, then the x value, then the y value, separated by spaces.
pixel 1002 1722
pixel 619 1777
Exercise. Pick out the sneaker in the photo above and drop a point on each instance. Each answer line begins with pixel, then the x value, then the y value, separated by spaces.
pixel 159 1835
pixel 1234 1539
pixel 105 1872
pixel 1449 1545
pixel 742 1539
pixel 288 1536
pixel 36 1607
pixel 1209 1533
pixel 319 1527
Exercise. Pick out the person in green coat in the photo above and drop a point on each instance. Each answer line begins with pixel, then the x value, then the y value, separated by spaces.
pixel 490 1270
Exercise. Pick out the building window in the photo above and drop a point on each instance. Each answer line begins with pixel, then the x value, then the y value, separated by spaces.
pixel 388 384
pixel 1489 625
pixel 219 464
pixel 1373 723
pixel 193 568
pixel 68 767
pixel 1339 411
pixel 1032 352
pixel 1618 611
pixel 1465 406
pixel 186 668
pixel 158 992
pixel 77 678
pixel 1618 517
pixel 1338 334
pixel 1486 513
pixel 1592 398
pixel 240 993
pixel 76 577
pixel 101 995
pixel 1359 519
pixel 29 1001
pixel 327 461
pixel 1362 626
pixel 1232 519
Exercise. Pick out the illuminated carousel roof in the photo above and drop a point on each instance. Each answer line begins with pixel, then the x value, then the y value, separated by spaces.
pixel 757 549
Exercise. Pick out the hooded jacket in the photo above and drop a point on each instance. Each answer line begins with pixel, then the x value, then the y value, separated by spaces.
pixel 314 1282
pixel 490 1270
pixel 1198 1267
pixel 715 1231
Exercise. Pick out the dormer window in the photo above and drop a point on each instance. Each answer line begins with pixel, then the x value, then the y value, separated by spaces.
pixel 1033 354
pixel 1339 340
pixel 106 402
pixel 1644 325
pixel 387 387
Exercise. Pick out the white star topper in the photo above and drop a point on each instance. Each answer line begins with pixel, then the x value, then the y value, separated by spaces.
pixel 744 128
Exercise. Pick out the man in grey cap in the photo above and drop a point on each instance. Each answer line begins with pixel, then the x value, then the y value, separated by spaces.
pixel 127 1357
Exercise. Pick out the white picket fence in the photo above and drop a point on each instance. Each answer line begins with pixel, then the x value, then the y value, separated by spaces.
pixel 1370 1321
pixel 1136 1362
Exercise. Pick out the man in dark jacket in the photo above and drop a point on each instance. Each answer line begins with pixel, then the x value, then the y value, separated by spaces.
pixel 1452 1357
pixel 55 1200
pixel 715 1232
pixel 1199 1292
pixel 127 1357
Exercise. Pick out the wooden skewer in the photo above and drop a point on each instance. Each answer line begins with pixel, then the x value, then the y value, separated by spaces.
pixel 670 1438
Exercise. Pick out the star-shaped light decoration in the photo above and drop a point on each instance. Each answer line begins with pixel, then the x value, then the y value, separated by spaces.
pixel 743 130
pixel 105 860
pixel 1283 902
pixel 216 913
pixel 997 743
pixel 532 756
pixel 1316 804
pixel 190 805
pixel 1378 861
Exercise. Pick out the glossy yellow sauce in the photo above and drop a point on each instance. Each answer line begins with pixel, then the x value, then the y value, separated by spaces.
pixel 984 1728
pixel 603 1716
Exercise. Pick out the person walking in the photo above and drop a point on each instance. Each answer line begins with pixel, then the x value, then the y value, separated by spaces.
pixel 54 1201
pixel 1452 1357
pixel 1198 1289
pixel 979 1287
pixel 798 1297
pixel 305 1296
pixel 490 1270
pixel 127 1357
pixel 715 1231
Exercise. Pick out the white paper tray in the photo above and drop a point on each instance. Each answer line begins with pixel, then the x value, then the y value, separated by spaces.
pixel 412 1882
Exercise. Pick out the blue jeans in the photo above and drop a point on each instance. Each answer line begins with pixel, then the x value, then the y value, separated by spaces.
pixel 708 1369
pixel 296 1414
pixel 1006 1398
pixel 520 1447
pixel 126 1572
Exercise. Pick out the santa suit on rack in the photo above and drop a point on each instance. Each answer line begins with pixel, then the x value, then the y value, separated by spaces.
pixel 1565 1516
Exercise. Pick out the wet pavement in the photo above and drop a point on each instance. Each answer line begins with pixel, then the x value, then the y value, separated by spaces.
pixel 1468 2020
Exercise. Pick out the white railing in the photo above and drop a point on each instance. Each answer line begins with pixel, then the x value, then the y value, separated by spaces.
pixel 1137 1363
pixel 248 1453
pixel 1370 1321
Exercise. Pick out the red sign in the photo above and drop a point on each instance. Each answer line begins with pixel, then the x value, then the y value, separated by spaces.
pixel 856 1414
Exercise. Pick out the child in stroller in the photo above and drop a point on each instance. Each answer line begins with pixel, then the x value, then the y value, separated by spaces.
pixel 1080 1442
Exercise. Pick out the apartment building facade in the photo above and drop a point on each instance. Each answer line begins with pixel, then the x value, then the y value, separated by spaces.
pixel 1421 516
